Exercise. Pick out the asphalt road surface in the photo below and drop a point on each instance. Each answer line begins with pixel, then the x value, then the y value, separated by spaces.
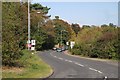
pixel 66 66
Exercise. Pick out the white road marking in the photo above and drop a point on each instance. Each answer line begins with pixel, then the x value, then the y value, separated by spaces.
pixel 66 60
pixel 55 56
pixel 70 61
pixel 100 72
pixel 60 58
pixel 79 64
pixel 76 63
pixel 93 69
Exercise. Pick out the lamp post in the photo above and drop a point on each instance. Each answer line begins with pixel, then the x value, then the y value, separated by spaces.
pixel 28 25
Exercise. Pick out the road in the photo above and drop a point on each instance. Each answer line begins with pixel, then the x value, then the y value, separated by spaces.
pixel 66 66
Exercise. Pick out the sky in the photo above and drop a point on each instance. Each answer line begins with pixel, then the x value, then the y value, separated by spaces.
pixel 84 13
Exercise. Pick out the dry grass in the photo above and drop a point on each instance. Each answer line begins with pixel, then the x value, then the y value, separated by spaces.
pixel 12 69
pixel 34 68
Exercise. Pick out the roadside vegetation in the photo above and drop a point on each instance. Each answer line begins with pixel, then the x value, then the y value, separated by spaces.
pixel 97 42
pixel 17 62
pixel 32 67
pixel 91 41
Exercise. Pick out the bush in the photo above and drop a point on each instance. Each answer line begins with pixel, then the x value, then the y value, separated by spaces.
pixel 97 42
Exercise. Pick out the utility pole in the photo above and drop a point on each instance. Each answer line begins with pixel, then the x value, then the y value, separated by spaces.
pixel 28 25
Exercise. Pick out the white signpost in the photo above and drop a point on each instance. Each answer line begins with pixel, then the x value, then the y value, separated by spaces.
pixel 33 44
pixel 72 43
pixel 67 43
pixel 28 44
pixel 32 48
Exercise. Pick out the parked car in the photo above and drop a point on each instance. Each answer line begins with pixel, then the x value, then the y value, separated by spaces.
pixel 54 48
pixel 59 50
pixel 63 49
pixel 66 47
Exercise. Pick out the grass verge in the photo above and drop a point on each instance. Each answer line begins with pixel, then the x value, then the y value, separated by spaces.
pixel 34 67
pixel 109 61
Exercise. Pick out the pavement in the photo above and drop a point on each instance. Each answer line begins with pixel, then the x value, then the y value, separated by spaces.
pixel 66 66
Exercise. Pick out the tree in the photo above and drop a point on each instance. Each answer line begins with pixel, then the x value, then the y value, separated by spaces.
pixel 112 25
pixel 62 28
pixel 76 28
pixel 38 22
pixel 39 7
pixel 11 33
pixel 104 25
pixel 15 30
pixel 85 26
pixel 97 42
pixel 56 17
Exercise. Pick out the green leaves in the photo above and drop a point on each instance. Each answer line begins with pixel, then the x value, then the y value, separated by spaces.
pixel 98 42
pixel 10 33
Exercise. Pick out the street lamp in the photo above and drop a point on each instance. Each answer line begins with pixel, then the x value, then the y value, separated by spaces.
pixel 28 25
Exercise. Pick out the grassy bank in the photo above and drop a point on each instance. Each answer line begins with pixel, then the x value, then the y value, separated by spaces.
pixel 34 67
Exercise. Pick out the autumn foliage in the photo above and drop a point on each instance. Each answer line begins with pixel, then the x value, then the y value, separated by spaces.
pixel 97 42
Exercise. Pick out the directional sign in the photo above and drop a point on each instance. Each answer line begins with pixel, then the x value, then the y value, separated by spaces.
pixel 32 42
pixel 32 48
pixel 67 43
pixel 29 45
pixel 72 43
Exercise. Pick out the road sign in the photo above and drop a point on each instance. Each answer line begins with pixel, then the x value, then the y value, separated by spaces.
pixel 32 42
pixel 67 43
pixel 28 45
pixel 72 43
pixel 32 48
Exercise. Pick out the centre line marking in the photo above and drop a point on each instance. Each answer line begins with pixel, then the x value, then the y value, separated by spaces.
pixel 79 64
pixel 69 61
pixel 76 63
pixel 100 72
pixel 93 69
pixel 66 60
pixel 55 56
pixel 61 58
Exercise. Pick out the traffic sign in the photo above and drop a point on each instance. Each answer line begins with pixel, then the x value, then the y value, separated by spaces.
pixel 72 43
pixel 32 42
pixel 67 43
pixel 29 45
pixel 32 48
